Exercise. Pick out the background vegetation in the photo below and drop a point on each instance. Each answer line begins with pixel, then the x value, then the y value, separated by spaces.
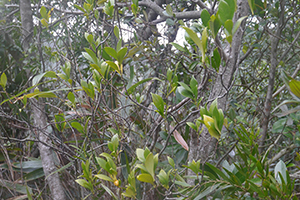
pixel 149 99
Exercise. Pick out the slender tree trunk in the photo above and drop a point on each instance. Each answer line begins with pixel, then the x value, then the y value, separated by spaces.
pixel 268 102
pixel 221 86
pixel 39 116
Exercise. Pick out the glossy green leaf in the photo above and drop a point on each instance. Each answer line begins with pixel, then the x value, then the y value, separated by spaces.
pixel 237 24
pixel 44 22
pixel 193 36
pixel 171 162
pixel 179 47
pixel 117 32
pixel 104 177
pixel 145 178
pixel 204 44
pixel 84 183
pixel 214 25
pixel 205 17
pixel 194 86
pixel 113 65
pixel 38 77
pixel 129 192
pixel 295 87
pixel 163 178
pixel 159 103
pixel 185 92
pixel 110 51
pixel 228 26
pixel 216 60
pixel 140 154
pixel 3 80
pixel 79 8
pixel 226 10
pixel 149 164
pixel 71 97
pixel 121 54
pixel 280 168
pixel 43 12
pixel 192 125
pixel 89 38
pixel 78 127
pixel 251 5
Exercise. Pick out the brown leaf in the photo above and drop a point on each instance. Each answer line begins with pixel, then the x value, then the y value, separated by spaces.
pixel 180 140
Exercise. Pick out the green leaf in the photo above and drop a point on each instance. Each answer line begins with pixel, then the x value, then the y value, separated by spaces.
pixel 171 162
pixel 71 97
pixel 113 65
pixel 216 60
pixel 159 103
pixel 140 154
pixel 163 178
pixel 179 47
pixel 295 87
pixel 117 32
pixel 84 184
pixel 185 86
pixel 149 164
pixel 78 127
pixel 47 94
pixel 37 78
pixel 237 24
pixel 60 121
pixel 207 191
pixel 182 183
pixel 228 26
pixel 89 38
pixel 194 37
pixel 110 51
pixel 129 192
pixel 226 10
pixel 114 143
pixel 145 178
pixel 109 191
pixel 102 163
pixel 3 80
pixel 185 92
pixel 121 54
pixel 79 8
pixel 280 168
pixel 194 86
pixel 43 12
pixel 104 177
pixel 45 23
pixel 169 10
pixel 214 25
pixel 192 125
pixel 205 17
pixel 251 5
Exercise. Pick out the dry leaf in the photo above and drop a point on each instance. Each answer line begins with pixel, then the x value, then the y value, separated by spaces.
pixel 180 140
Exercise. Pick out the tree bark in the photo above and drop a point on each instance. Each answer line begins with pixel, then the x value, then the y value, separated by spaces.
pixel 39 116
pixel 268 102
pixel 222 85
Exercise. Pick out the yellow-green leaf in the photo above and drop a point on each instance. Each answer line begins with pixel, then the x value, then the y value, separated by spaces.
pixel 295 87
pixel 145 178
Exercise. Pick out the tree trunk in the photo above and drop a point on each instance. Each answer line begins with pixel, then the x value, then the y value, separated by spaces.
pixel 268 102
pixel 39 116
pixel 221 86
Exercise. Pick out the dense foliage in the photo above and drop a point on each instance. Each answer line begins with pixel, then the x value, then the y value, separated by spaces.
pixel 149 99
